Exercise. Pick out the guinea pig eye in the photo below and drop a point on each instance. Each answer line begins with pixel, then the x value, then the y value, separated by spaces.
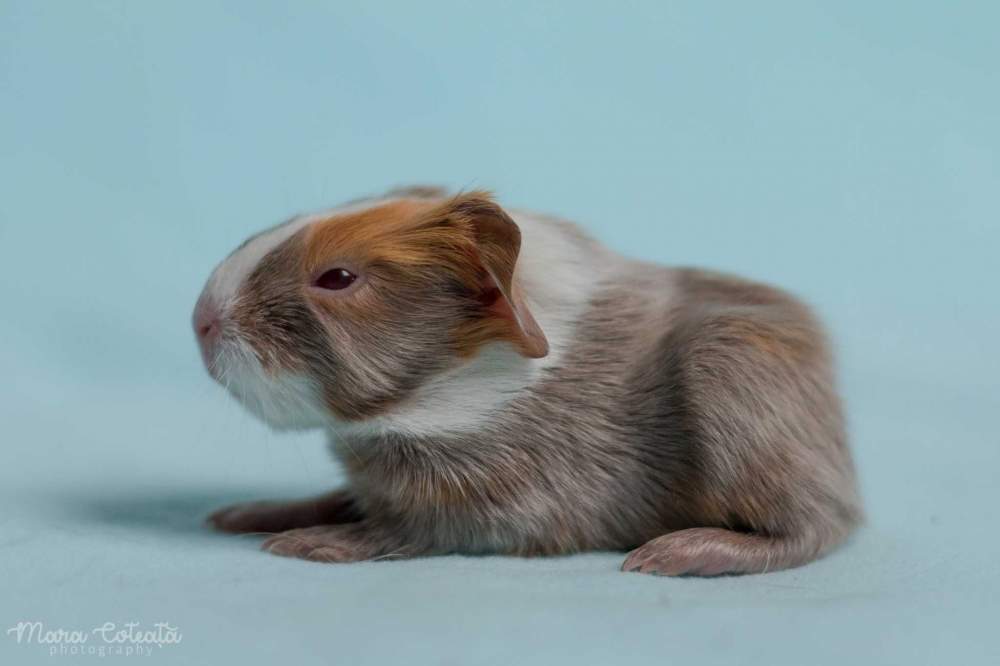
pixel 336 278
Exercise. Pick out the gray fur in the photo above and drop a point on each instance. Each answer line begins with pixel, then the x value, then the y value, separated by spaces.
pixel 630 440
pixel 694 418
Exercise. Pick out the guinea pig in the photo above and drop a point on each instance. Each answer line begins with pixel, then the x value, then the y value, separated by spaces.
pixel 497 381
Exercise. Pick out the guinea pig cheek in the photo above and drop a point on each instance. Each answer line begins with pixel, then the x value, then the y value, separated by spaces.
pixel 273 383
pixel 271 340
pixel 271 355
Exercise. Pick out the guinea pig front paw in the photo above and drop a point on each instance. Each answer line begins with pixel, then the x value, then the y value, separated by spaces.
pixel 330 543
pixel 262 517
pixel 270 517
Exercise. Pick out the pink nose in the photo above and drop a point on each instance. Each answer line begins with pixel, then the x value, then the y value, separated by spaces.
pixel 206 325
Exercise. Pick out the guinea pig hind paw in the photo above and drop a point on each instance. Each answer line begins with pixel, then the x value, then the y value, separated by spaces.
pixel 712 551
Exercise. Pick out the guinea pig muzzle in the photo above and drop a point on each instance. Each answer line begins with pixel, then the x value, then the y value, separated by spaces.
pixel 207 323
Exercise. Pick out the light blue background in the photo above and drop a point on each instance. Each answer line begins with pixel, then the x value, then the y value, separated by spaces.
pixel 846 150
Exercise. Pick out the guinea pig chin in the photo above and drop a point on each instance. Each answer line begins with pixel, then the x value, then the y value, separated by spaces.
pixel 282 400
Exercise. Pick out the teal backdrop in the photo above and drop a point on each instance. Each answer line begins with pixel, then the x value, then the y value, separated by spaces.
pixel 845 150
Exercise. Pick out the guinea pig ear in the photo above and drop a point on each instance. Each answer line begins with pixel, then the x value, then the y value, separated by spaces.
pixel 497 243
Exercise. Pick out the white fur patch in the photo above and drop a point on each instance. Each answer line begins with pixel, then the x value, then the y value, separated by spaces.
pixel 284 402
pixel 457 399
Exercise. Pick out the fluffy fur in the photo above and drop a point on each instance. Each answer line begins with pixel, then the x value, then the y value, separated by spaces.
pixel 498 382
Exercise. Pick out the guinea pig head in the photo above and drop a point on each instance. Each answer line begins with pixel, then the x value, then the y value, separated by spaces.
pixel 340 317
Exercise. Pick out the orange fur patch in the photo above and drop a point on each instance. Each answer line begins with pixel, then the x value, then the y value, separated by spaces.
pixel 419 237
pixel 398 232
